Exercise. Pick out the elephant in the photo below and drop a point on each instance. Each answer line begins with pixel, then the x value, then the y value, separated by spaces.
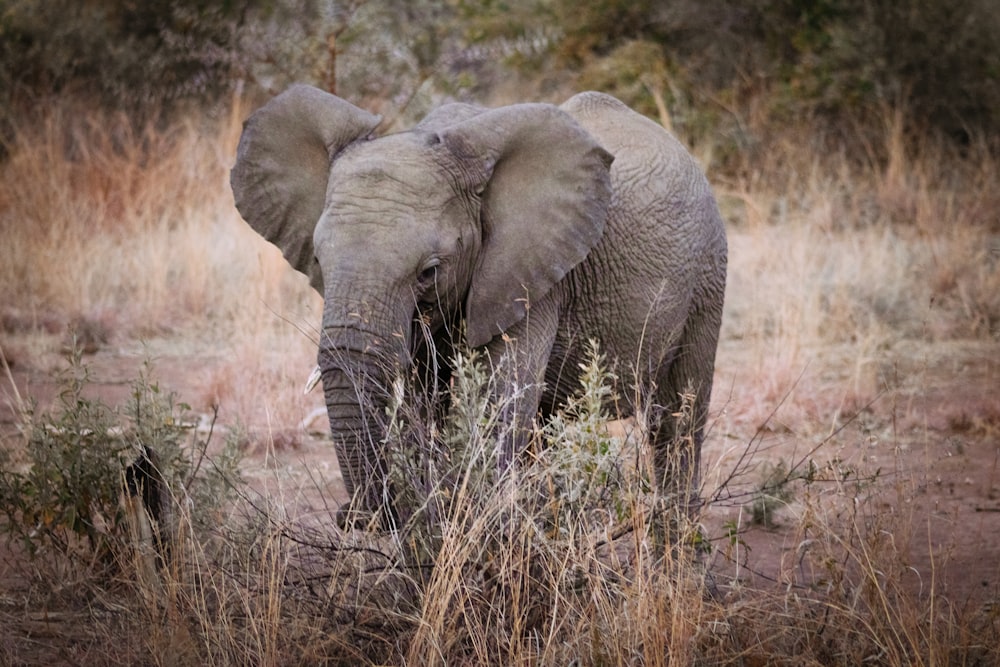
pixel 523 231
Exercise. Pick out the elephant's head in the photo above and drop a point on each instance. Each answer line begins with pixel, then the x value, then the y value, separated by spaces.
pixel 473 213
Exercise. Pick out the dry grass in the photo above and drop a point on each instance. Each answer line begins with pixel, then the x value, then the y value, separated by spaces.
pixel 122 235
pixel 834 266
pixel 139 229
pixel 828 254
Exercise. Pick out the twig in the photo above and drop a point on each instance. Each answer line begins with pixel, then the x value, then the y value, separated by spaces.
pixel 204 450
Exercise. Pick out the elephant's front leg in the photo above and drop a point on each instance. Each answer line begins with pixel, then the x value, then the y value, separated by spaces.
pixel 519 358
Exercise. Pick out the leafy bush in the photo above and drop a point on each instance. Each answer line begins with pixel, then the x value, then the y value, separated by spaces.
pixel 151 59
pixel 143 58
pixel 64 499
pixel 936 60
pixel 839 60
pixel 578 476
pixel 73 482
pixel 583 464
pixel 835 59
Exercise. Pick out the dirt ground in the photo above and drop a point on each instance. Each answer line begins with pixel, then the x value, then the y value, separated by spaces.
pixel 924 416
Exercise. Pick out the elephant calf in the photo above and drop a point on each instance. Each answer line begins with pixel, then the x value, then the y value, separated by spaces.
pixel 530 227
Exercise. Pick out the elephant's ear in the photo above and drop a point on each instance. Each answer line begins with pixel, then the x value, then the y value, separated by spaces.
pixel 282 165
pixel 546 190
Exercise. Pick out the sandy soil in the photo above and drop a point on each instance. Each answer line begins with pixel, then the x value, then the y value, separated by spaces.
pixel 924 418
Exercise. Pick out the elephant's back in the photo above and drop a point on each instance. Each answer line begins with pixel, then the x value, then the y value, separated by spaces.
pixel 663 250
pixel 625 133
pixel 662 203
pixel 652 168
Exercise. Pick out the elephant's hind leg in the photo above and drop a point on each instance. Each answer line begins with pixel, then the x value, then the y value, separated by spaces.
pixel 680 411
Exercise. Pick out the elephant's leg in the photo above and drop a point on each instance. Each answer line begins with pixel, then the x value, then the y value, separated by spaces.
pixel 682 400
pixel 519 359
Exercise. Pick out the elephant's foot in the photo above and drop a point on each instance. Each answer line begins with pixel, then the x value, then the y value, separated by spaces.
pixel 351 517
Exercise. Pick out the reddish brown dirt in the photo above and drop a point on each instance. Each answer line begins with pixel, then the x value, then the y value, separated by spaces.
pixel 924 424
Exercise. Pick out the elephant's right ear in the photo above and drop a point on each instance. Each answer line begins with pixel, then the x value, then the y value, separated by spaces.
pixel 283 163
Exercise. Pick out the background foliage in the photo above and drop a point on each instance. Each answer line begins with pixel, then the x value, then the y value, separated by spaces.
pixel 700 63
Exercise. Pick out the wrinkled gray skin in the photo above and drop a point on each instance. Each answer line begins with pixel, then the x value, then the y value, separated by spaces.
pixel 538 226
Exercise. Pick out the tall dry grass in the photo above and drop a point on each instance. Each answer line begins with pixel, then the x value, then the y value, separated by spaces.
pixel 131 234
pixel 832 257
pixel 523 572
pixel 100 217
pixel 833 262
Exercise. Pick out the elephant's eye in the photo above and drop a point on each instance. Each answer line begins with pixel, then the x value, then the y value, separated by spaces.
pixel 427 276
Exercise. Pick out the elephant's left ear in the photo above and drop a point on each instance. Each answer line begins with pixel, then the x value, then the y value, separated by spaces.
pixel 282 164
pixel 546 189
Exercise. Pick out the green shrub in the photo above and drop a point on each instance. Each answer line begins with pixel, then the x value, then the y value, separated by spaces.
pixel 142 58
pixel 576 479
pixel 840 61
pixel 62 496
pixel 583 465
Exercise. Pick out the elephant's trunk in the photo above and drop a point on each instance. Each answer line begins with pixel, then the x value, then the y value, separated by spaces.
pixel 356 382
